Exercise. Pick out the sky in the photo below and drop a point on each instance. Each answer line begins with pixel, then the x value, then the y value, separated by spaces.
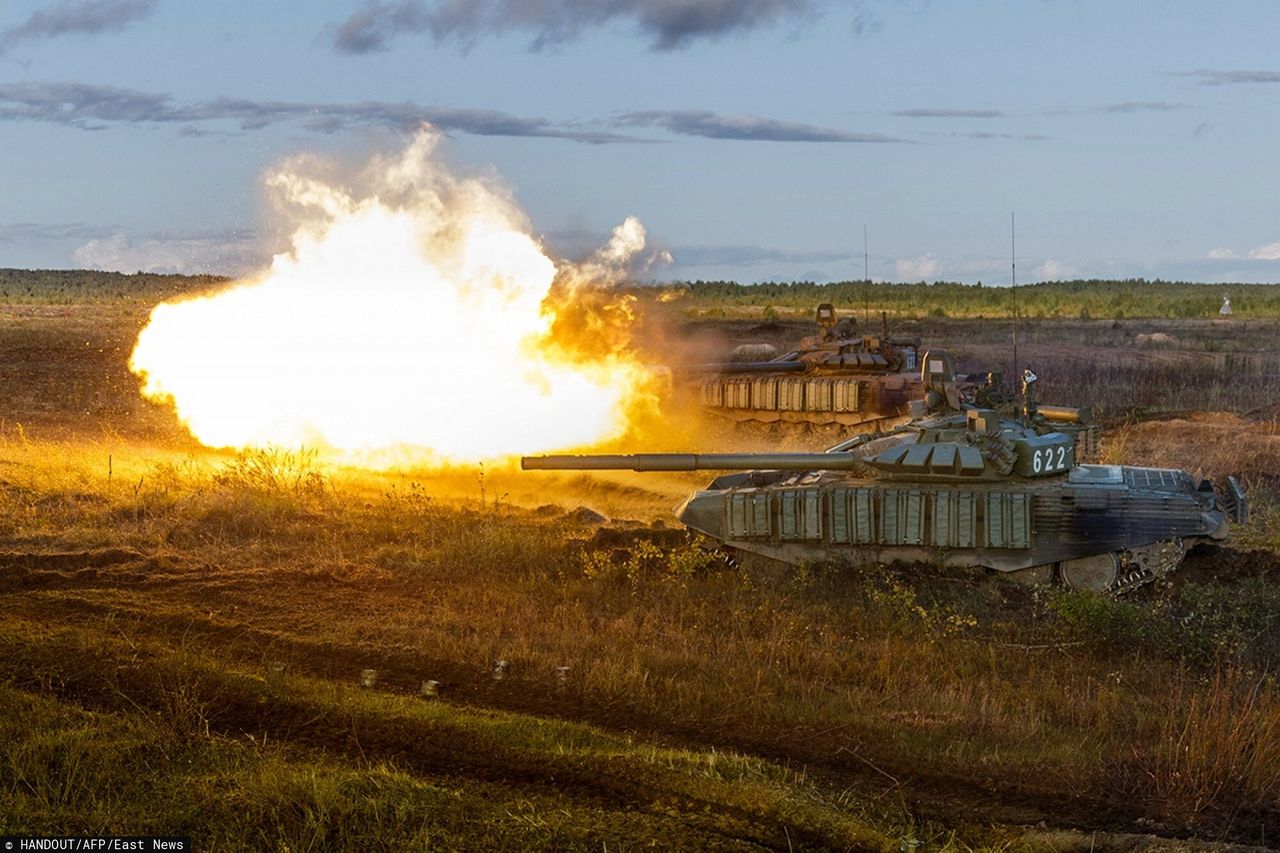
pixel 755 139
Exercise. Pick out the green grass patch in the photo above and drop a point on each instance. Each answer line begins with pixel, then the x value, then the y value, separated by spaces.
pixel 135 737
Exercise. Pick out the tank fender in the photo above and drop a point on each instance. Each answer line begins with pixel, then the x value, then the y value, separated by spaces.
pixel 1236 503
pixel 704 512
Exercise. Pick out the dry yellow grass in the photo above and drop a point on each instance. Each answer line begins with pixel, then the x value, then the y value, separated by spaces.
pixel 967 704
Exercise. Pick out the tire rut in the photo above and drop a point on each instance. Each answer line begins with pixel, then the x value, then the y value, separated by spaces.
pixel 240 705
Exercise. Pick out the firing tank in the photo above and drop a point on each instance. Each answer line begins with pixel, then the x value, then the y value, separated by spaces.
pixel 832 378
pixel 958 486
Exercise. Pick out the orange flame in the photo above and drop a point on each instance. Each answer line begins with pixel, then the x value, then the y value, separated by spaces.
pixel 411 321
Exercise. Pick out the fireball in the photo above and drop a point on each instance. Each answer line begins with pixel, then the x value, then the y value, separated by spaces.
pixel 411 319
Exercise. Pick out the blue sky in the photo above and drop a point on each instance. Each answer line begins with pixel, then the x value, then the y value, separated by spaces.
pixel 754 138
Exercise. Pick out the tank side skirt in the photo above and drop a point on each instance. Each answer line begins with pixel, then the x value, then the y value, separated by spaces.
pixel 988 526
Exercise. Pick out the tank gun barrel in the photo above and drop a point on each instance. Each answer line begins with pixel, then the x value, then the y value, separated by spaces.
pixel 744 367
pixel 695 462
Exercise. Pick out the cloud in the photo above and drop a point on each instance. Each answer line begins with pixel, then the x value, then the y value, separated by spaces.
pixel 86 17
pixel 1269 252
pixel 992 269
pixel 1208 77
pixel 987 134
pixel 1122 108
pixel 229 253
pixel 1054 270
pixel 83 105
pixel 743 127
pixel 865 23
pixel 920 268
pixel 942 113
pixel 1141 107
pixel 93 107
pixel 668 24
pixel 990 134
pixel 90 106
pixel 34 232
pixel 1266 252
pixel 747 256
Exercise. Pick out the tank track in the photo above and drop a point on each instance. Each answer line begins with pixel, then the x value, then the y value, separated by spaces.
pixel 1138 566
pixel 1147 564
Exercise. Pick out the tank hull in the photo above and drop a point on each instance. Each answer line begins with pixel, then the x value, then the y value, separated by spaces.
pixel 1146 517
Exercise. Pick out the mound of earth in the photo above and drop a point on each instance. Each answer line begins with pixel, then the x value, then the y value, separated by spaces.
pixel 1213 443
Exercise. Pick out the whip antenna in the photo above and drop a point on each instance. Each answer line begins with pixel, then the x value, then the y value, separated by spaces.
pixel 1013 267
pixel 866 279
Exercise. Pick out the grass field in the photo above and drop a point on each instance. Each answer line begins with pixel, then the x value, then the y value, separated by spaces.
pixel 185 634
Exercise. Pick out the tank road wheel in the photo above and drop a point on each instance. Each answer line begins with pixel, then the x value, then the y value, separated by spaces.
pixel 1149 563
pixel 1094 574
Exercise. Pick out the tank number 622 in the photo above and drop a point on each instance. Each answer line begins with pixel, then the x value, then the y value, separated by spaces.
pixel 1049 459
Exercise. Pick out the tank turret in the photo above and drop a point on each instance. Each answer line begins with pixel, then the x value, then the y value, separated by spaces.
pixel 959 485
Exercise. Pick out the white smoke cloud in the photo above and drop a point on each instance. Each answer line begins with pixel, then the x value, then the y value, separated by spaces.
pixel 622 257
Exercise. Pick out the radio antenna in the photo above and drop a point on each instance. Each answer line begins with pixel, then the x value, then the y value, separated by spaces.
pixel 866 279
pixel 1013 268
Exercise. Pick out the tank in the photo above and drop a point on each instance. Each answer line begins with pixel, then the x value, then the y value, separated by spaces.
pixel 960 485
pixel 831 378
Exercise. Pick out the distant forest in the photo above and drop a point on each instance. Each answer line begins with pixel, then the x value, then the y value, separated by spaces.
pixel 71 287
pixel 1082 299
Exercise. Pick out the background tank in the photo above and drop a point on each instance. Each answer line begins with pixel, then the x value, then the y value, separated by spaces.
pixel 833 377
pixel 958 486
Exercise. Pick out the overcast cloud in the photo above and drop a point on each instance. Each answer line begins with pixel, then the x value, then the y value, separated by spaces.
pixel 667 24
